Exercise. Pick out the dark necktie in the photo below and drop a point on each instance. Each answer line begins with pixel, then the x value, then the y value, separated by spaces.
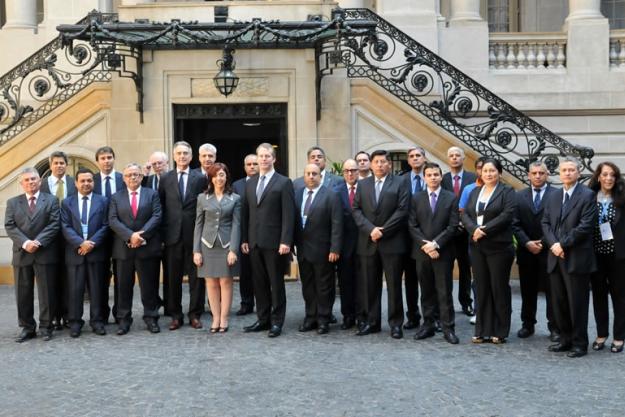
pixel 433 201
pixel 537 199
pixel 155 182
pixel 352 194
pixel 566 202
pixel 84 215
pixel 31 206
pixel 107 187
pixel 457 185
pixel 308 203
pixel 181 185
pixel 416 184
pixel 378 190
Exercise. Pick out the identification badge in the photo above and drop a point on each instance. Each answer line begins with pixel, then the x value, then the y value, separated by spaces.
pixel 480 220
pixel 606 231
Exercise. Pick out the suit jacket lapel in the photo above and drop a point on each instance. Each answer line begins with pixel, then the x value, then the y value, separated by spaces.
pixel 317 198
pixel 573 200
pixel 268 186
pixel 39 203
pixel 387 183
pixel 73 207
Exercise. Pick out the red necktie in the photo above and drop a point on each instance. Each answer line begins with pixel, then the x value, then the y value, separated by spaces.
pixel 457 185
pixel 31 206
pixel 352 193
pixel 133 204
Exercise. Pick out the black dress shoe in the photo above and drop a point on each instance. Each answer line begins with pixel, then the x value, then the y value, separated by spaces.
pixel 99 330
pixel 153 327
pixel 525 332
pixel 554 336
pixel 25 335
pixel 122 330
pixel 577 352
pixel 74 332
pixel 411 324
pixel 333 319
pixel 275 331
pixel 323 329
pixel 559 347
pixel 256 327
pixel 306 327
pixel 46 334
pixel 396 332
pixel 348 323
pixel 424 332
pixel 451 338
pixel 368 329
pixel 244 311
pixel 360 325
pixel 57 325
pixel 468 310
pixel 437 326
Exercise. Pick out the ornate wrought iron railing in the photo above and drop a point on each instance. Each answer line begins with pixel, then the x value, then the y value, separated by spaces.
pixel 448 97
pixel 52 75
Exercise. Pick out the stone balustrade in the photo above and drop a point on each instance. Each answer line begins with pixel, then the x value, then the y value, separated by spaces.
pixel 617 49
pixel 527 51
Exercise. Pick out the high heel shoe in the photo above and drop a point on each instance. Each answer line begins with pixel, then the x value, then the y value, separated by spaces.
pixel 223 329
pixel 498 340
pixel 598 345
pixel 614 348
pixel 214 329
pixel 477 339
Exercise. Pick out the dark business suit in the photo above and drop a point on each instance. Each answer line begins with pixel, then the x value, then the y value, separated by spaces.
pixel 347 268
pixel 246 286
pixel 492 258
pixel 321 234
pixel 411 280
pixel 42 225
pixel 266 224
pixel 144 260
pixel 177 232
pixel 385 255
pixel 573 227
pixel 435 275
pixel 461 242
pixel 91 267
pixel 61 290
pixel 608 279
pixel 97 189
pixel 532 268
pixel 152 181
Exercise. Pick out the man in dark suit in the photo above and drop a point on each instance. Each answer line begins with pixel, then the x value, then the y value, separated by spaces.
pixel 317 156
pixel 159 163
pixel 32 223
pixel 84 223
pixel 456 180
pixel 380 211
pixel 568 224
pixel 318 238
pixel 433 222
pixel 135 218
pixel 178 191
pixel 207 155
pixel 414 183
pixel 347 268
pixel 106 183
pixel 246 286
pixel 267 223
pixel 363 159
pixel 531 252
pixel 60 185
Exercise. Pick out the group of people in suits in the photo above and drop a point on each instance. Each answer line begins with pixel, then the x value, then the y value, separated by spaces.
pixel 361 227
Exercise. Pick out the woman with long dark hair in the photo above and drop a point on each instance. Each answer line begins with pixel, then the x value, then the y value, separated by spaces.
pixel 216 242
pixel 488 219
pixel 609 243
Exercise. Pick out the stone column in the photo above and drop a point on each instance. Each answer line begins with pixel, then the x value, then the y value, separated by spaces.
pixel 465 10
pixel 584 9
pixel 21 14
pixel 105 6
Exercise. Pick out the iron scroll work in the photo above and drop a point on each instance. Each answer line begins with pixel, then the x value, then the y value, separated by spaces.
pixel 450 98
pixel 355 40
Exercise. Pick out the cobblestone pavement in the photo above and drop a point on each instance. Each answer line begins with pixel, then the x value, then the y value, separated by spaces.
pixel 191 373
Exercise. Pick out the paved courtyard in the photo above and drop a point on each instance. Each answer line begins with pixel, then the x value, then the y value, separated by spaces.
pixel 191 373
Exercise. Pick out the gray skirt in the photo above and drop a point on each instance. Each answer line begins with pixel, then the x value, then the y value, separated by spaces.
pixel 215 264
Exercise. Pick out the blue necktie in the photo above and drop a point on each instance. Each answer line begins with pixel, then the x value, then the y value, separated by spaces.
pixel 181 185
pixel 416 184
pixel 107 187
pixel 84 215
pixel 537 199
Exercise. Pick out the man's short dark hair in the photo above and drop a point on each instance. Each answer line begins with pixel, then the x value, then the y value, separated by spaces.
pixel 432 165
pixel 83 170
pixel 58 154
pixel 315 148
pixel 103 150
pixel 380 152
pixel 362 152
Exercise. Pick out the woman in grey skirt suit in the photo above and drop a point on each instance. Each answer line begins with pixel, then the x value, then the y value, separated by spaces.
pixel 216 242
